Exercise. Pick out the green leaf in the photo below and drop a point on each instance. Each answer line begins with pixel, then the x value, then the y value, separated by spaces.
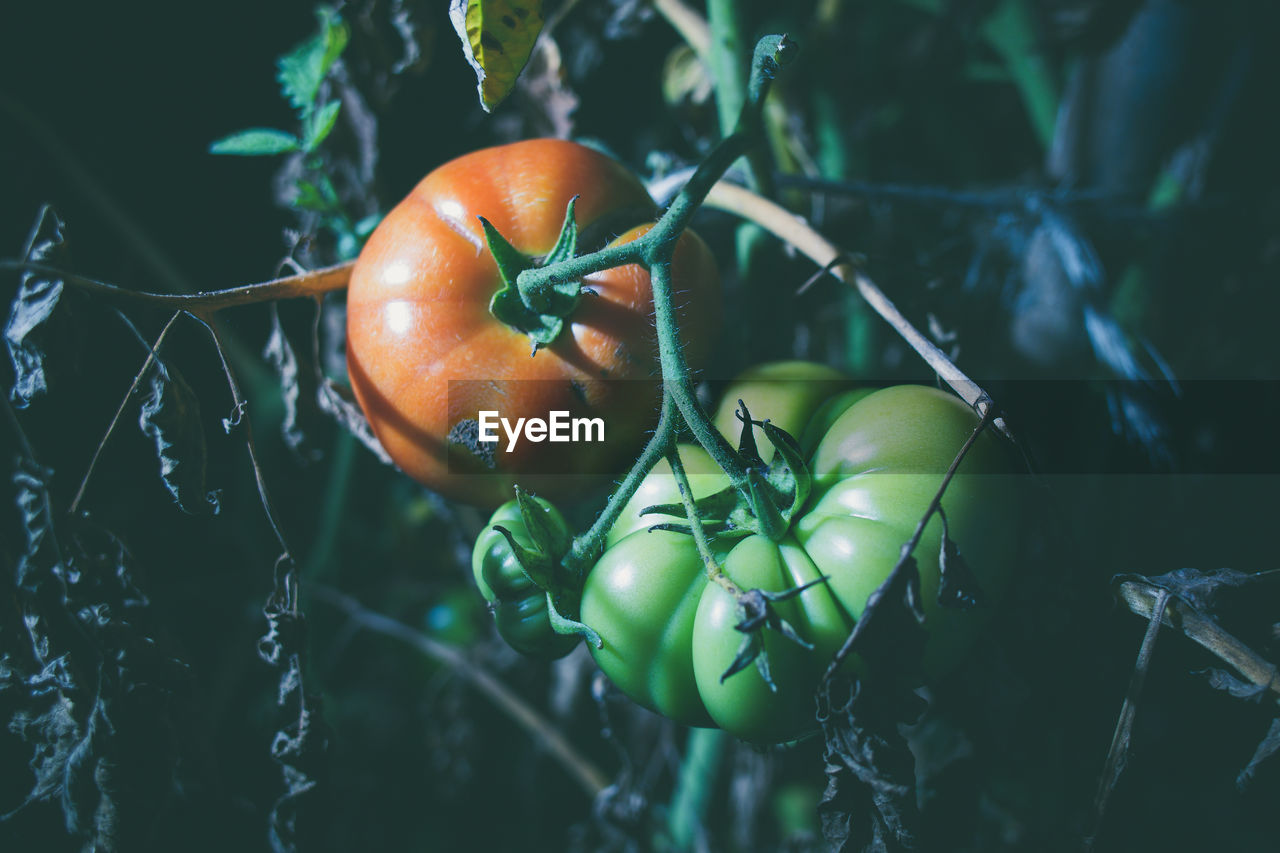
pixel 317 127
pixel 319 196
pixel 302 70
pixel 365 226
pixel 497 39
pixel 256 142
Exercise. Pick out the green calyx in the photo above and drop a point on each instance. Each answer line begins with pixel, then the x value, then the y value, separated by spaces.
pixel 775 493
pixel 538 311
pixel 543 564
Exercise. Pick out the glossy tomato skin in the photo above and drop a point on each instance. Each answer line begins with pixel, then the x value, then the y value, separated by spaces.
pixel 641 598
pixel 425 355
pixel 519 605
pixel 876 468
pixel 743 703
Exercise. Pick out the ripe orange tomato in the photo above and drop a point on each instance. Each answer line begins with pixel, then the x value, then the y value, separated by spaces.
pixel 426 356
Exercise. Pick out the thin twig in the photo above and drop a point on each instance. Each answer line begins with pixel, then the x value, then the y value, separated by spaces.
pixel 152 356
pixel 714 572
pixel 786 226
pixel 584 772
pixel 312 283
pixel 1118 754
pixel 240 417
pixel 1142 599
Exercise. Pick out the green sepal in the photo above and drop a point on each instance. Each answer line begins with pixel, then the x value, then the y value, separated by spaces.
pixel 770 520
pixel 539 314
pixel 566 247
pixel 747 449
pixel 788 473
pixel 756 614
pixel 562 624
pixel 537 566
pixel 676 509
pixel 549 539
pixel 751 650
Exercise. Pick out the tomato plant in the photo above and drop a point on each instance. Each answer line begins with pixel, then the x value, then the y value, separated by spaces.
pixel 670 634
pixel 426 354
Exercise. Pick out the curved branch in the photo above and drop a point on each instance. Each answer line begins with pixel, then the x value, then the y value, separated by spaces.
pixel 310 283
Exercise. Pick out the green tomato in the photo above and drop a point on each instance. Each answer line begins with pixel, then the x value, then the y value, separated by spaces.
pixel 827 414
pixel 670 634
pixel 875 471
pixel 786 393
pixel 641 598
pixel 743 703
pixel 519 605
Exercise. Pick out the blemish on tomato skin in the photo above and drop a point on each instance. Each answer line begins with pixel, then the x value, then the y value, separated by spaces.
pixel 464 437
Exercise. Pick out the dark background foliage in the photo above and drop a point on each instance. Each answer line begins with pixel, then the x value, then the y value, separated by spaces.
pixel 107 112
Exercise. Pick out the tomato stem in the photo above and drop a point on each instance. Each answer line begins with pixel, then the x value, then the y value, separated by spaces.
pixel 655 250
pixel 586 548
pixel 714 572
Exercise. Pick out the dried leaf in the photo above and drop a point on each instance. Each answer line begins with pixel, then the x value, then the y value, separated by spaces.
pixel 870 800
pixel 1268 747
pixel 32 307
pixel 292 350
pixel 86 682
pixel 171 418
pixel 345 411
pixel 958 586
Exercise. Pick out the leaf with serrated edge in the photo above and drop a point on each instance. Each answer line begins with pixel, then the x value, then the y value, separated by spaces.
pixel 302 70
